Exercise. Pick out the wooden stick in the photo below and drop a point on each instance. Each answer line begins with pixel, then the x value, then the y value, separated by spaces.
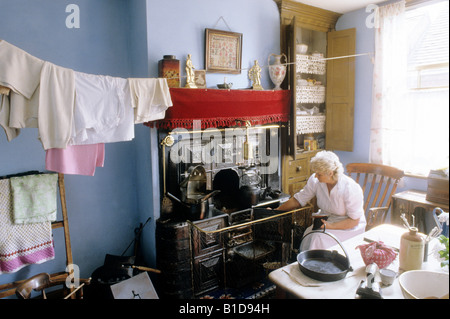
pixel 4 90
pixel 74 291
pixel 146 269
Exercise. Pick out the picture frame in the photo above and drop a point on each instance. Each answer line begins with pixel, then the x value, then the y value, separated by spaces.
pixel 223 51
pixel 200 79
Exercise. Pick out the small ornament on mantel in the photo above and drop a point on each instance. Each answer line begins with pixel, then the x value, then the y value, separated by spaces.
pixel 169 68
pixel 254 74
pixel 190 74
pixel 277 70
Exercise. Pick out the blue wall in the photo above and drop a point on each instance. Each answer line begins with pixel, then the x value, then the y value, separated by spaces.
pixel 123 38
pixel 102 209
pixel 177 27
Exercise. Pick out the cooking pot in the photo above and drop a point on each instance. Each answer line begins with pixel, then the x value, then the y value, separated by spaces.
pixel 322 264
pixel 249 195
pixel 193 187
pixel 250 190
pixel 198 209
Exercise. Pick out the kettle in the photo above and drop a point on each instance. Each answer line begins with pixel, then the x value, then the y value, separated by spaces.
pixel 250 190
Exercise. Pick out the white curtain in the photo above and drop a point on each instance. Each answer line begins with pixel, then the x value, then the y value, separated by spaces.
pixel 426 142
pixel 409 128
pixel 389 84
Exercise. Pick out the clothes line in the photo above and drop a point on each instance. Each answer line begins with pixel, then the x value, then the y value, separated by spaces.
pixel 75 113
pixel 292 63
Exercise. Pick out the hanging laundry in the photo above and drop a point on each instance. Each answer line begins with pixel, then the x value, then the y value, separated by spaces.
pixel 56 105
pixel 19 70
pixel 75 159
pixel 5 111
pixel 21 244
pixel 24 112
pixel 72 108
pixel 17 112
pixel 34 198
pixel 103 112
pixel 150 98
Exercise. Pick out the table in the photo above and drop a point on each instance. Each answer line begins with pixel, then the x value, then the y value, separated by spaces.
pixel 407 202
pixel 292 283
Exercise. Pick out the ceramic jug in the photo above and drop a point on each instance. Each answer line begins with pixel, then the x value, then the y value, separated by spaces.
pixel 277 70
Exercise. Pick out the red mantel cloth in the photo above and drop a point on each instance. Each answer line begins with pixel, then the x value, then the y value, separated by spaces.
pixel 224 108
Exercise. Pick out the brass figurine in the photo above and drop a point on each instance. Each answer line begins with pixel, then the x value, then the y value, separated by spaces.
pixel 254 75
pixel 190 74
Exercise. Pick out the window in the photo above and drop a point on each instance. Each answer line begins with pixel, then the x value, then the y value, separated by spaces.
pixel 427 88
pixel 410 110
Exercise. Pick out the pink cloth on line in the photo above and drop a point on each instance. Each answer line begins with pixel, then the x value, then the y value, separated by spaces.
pixel 75 159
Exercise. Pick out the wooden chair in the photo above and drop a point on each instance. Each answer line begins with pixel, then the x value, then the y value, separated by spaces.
pixel 42 281
pixel 9 289
pixel 379 183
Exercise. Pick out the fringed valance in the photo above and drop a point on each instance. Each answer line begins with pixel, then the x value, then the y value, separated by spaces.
pixel 224 108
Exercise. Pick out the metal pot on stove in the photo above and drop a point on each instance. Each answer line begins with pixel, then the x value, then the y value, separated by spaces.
pixel 193 187
pixel 250 190
pixel 194 195
pixel 198 209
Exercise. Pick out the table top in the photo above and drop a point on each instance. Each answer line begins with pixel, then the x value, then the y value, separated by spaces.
pixel 291 279
pixel 418 196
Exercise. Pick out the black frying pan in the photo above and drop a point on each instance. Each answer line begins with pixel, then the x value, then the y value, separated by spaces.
pixel 324 265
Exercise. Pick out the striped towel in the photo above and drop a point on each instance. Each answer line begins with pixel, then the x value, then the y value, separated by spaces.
pixel 21 244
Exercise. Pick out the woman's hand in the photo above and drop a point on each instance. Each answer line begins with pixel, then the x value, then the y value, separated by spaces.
pixel 291 204
pixel 326 224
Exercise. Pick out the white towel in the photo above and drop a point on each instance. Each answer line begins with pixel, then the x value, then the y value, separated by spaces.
pixel 103 112
pixel 150 98
pixel 56 105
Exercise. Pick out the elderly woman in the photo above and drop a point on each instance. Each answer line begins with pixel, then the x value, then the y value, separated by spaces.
pixel 339 197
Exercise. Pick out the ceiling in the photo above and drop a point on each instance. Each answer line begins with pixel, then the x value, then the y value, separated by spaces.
pixel 340 6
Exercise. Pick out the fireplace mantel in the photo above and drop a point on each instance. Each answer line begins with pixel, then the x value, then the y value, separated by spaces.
pixel 224 108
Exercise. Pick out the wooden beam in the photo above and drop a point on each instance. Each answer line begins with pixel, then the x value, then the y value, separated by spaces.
pixel 4 90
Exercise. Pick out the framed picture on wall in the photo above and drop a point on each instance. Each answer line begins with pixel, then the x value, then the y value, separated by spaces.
pixel 223 51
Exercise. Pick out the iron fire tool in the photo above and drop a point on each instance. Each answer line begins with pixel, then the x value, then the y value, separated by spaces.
pixel 369 289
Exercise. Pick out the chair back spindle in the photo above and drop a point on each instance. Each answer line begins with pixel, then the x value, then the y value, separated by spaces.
pixel 379 184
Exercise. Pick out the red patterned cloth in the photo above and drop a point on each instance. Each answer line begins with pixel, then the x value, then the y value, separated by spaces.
pixel 224 108
pixel 377 252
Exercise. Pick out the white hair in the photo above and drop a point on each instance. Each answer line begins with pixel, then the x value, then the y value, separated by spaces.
pixel 326 162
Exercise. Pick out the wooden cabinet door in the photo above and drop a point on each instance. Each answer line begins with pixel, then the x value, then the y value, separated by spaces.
pixel 340 94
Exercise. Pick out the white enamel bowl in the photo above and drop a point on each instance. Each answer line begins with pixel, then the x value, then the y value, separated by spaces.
pixel 424 284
